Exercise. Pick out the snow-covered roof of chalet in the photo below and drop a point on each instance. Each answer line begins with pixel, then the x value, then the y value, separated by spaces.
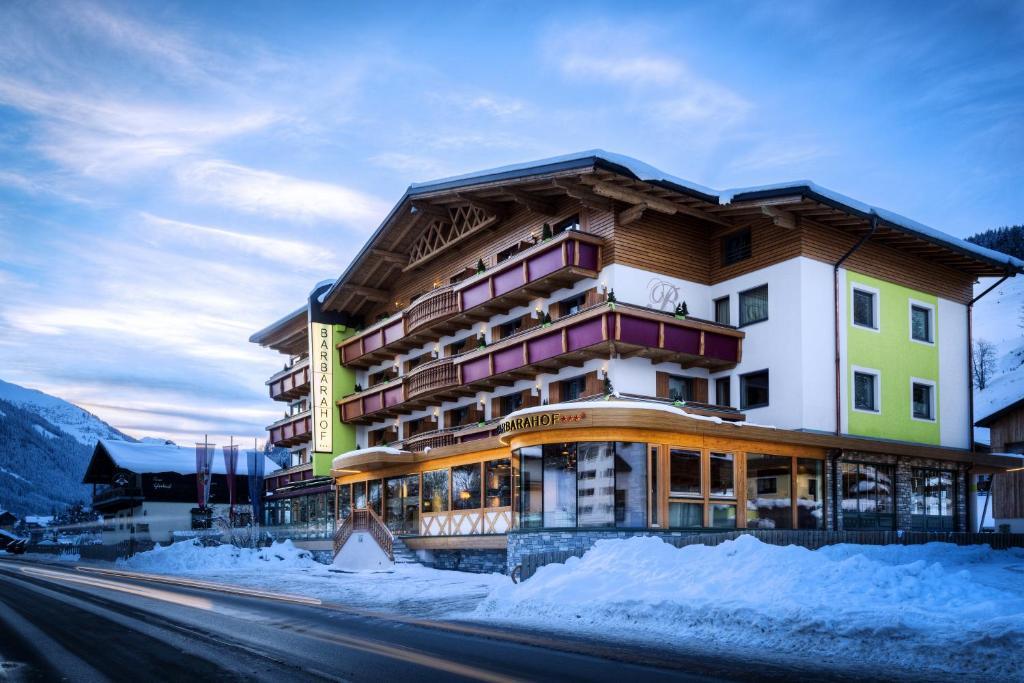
pixel 346 459
pixel 997 410
pixel 643 172
pixel 152 457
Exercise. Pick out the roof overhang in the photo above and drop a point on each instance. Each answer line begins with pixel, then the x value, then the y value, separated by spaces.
pixel 288 335
pixel 991 418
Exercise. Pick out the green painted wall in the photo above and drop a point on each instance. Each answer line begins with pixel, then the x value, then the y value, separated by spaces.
pixel 897 358
pixel 344 383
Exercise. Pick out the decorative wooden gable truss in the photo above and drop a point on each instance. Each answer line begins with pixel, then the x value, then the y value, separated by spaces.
pixel 447 226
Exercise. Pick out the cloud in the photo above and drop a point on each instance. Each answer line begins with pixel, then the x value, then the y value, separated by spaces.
pixel 270 194
pixel 412 165
pixel 639 70
pixel 303 255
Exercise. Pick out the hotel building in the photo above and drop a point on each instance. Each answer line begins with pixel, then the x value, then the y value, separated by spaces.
pixel 589 345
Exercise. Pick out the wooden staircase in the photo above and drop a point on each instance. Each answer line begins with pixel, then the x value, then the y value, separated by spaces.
pixel 367 520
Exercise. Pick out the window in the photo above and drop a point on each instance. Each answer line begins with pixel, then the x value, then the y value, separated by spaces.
pixel 570 223
pixel 506 254
pixel 466 487
pixel 868 491
pixel 809 499
pixel 458 416
pixel 754 390
pixel 531 475
pixel 595 484
pixel 402 504
pixel 682 515
pixel 921 323
pixel 923 399
pixel 374 495
pixel 723 516
pixel 419 360
pixel 680 388
pixel 769 502
pixel 462 345
pixel 932 499
pixel 722 392
pixel 684 472
pixel 574 388
pixel 630 485
pixel 754 305
pixel 865 391
pixel 572 305
pixel 435 491
pixel 498 483
pixel 381 376
pixel 359 495
pixel 722 483
pixel 559 485
pixel 865 313
pixel 511 403
pixel 506 330
pixel 736 247
pixel 722 310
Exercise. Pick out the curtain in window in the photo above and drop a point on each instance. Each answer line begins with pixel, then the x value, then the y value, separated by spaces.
pixel 754 305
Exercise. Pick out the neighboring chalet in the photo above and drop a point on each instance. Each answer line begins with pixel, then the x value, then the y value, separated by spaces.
pixel 146 492
pixel 8 520
pixel 1006 430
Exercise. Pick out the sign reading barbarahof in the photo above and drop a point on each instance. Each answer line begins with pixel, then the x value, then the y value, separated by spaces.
pixel 535 420
pixel 323 383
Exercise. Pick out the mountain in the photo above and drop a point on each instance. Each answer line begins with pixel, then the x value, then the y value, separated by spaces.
pixel 80 424
pixel 45 446
pixel 1008 239
pixel 998 319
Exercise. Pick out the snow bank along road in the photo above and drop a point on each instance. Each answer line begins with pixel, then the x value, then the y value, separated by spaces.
pixel 89 624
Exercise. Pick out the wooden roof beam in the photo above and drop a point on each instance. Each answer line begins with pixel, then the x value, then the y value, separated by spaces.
pixel 389 256
pixel 491 207
pixel 433 210
pixel 632 214
pixel 781 219
pixel 624 194
pixel 370 293
pixel 532 202
pixel 585 197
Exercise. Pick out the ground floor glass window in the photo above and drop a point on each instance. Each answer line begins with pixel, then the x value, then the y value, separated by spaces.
pixel 868 496
pixel 769 503
pixel 932 500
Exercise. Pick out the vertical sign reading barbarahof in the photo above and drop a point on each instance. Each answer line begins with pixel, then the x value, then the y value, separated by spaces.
pixel 320 354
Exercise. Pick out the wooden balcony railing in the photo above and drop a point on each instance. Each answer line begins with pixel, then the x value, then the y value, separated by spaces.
pixel 290 383
pixel 365 519
pixel 536 271
pixel 438 305
pixel 433 376
pixel 373 403
pixel 292 430
pixel 434 439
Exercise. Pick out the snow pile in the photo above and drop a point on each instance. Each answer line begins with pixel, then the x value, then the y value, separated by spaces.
pixel 192 557
pixel 909 607
pixel 361 553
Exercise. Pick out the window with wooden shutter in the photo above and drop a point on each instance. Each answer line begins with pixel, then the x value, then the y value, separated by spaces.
pixel 529 400
pixel 554 392
pixel 594 385
pixel 661 385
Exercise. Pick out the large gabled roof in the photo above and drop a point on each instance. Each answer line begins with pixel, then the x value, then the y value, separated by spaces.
pixel 143 458
pixel 600 176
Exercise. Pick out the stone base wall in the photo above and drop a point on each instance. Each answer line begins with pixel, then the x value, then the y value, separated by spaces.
pixel 577 541
pixel 477 561
pixel 904 466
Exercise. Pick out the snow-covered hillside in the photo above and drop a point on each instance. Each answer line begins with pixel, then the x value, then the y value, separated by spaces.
pixel 997 319
pixel 80 424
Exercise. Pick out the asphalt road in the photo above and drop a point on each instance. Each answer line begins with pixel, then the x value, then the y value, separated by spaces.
pixel 89 624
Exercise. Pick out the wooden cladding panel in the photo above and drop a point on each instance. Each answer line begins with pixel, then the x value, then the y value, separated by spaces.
pixel 823 243
pixel 1008 495
pixel 594 385
pixel 700 389
pixel 1006 430
pixel 768 245
pixel 519 225
pixel 602 224
pixel 661 384
pixel 700 386
pixel 671 245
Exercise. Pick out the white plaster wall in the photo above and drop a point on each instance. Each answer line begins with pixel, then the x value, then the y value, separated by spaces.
pixel 661 292
pixel 817 346
pixel 954 379
pixel 773 344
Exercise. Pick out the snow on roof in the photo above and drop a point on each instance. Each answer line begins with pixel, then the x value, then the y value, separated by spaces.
pixel 387 450
pixel 891 217
pixel 642 405
pixel 151 457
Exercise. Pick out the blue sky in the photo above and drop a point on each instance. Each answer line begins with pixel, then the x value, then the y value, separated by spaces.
pixel 175 176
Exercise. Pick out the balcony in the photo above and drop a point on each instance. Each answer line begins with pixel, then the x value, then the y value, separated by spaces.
pixel 117 498
pixel 375 403
pixel 433 439
pixel 292 430
pixel 532 273
pixel 595 332
pixel 290 383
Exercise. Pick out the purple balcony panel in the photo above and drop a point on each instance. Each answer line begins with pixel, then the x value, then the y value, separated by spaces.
pixel 372 402
pixel 394 331
pixel 508 359
pixel 588 255
pixel 721 347
pixel 350 352
pixel 372 342
pixel 638 331
pixel 475 369
pixel 508 280
pixel 393 396
pixel 545 264
pixel 476 294
pixel 682 339
pixel 548 346
pixel 474 437
pixel 351 410
pixel 585 334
